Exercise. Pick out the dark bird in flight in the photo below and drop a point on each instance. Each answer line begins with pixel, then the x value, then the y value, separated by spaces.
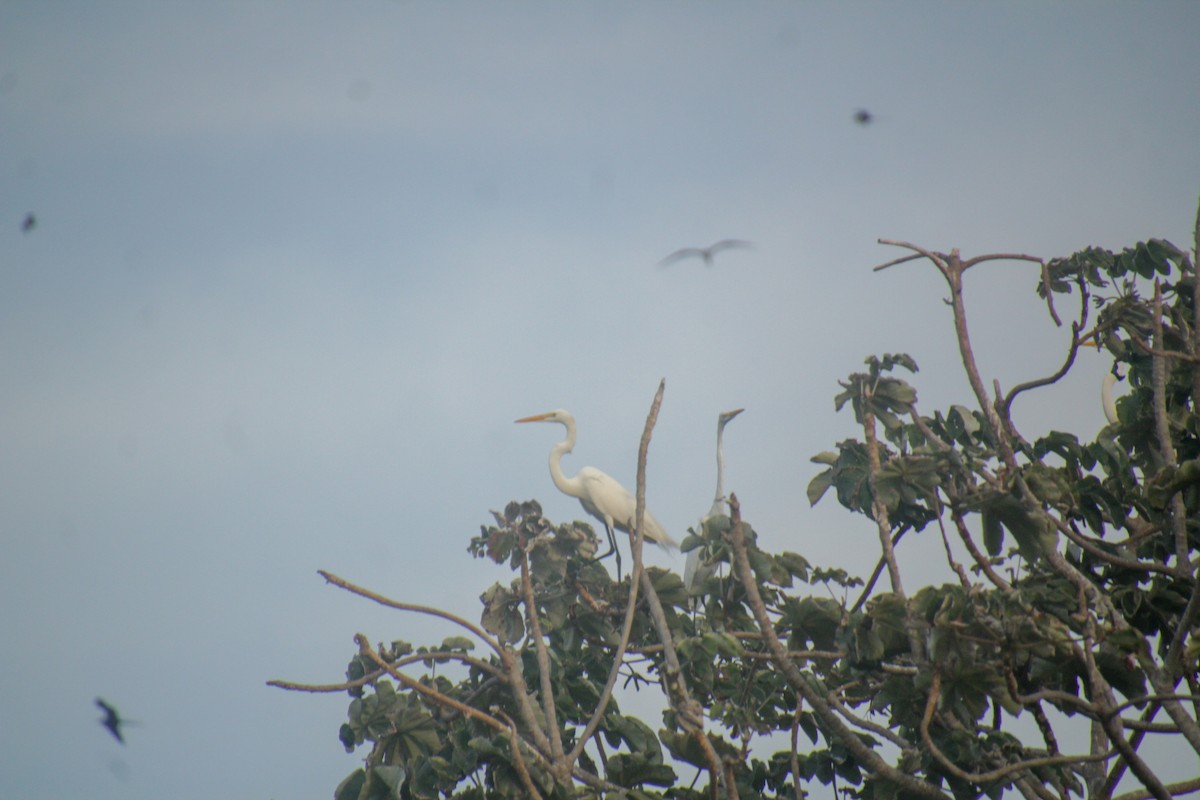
pixel 864 117
pixel 29 223
pixel 704 253
pixel 112 720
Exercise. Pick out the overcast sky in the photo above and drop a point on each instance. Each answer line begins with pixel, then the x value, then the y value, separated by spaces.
pixel 297 267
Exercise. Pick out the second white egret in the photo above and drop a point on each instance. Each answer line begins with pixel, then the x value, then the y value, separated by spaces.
pixel 693 574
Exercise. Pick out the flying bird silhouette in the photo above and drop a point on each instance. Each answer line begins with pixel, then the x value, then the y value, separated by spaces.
pixel 705 253
pixel 863 117
pixel 112 720
pixel 29 223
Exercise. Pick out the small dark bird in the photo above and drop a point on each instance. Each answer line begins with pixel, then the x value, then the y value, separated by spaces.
pixel 864 117
pixel 704 253
pixel 29 223
pixel 112 720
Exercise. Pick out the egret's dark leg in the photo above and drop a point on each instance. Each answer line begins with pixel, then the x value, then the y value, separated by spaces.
pixel 612 540
pixel 612 548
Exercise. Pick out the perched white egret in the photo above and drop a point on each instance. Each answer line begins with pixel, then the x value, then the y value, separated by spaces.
pixel 1117 373
pixel 693 573
pixel 599 493
pixel 705 254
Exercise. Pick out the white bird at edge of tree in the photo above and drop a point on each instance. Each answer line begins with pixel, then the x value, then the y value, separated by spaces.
pixel 1117 373
pixel 694 573
pixel 599 493
pixel 1106 392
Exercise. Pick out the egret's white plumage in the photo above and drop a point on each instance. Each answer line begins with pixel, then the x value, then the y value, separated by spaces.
pixel 1117 373
pixel 1106 393
pixel 598 493
pixel 693 573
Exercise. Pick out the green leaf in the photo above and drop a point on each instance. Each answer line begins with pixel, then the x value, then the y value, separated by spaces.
pixel 828 458
pixel 458 643
pixel 351 786
pixel 393 777
pixel 634 769
pixel 818 486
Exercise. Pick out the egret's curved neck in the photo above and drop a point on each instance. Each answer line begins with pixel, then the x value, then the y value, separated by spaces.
pixel 1106 398
pixel 719 496
pixel 720 464
pixel 571 486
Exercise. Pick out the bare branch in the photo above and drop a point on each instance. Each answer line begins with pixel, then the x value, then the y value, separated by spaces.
pixel 878 509
pixel 963 579
pixel 970 262
pixel 1006 404
pixel 1175 789
pixel 419 609
pixel 1050 294
pixel 869 586
pixel 879 730
pixel 794 764
pixel 519 760
pixel 938 259
pixel 991 776
pixel 631 605
pixel 327 687
pixel 1167 354
pixel 549 704
pixel 365 649
pixel 981 561
pixel 895 261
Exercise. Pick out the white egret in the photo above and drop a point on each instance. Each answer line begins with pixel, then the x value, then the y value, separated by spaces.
pixel 705 254
pixel 1117 373
pixel 1106 392
pixel 599 493
pixel 693 573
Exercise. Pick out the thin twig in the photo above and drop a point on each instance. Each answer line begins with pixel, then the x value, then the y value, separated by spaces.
pixel 518 759
pixel 1176 790
pixel 689 712
pixel 291 686
pixel 963 578
pixel 994 775
pixel 364 648
pixel 1149 350
pixel 549 705
pixel 419 609
pixel 794 753
pixel 437 655
pixel 869 586
pixel 626 630
pixel 981 561
pixel 1049 293
pixel 895 261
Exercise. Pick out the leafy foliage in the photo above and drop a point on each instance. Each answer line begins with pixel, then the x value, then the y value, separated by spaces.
pixel 1073 602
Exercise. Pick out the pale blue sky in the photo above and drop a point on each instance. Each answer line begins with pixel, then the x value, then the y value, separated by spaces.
pixel 298 266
